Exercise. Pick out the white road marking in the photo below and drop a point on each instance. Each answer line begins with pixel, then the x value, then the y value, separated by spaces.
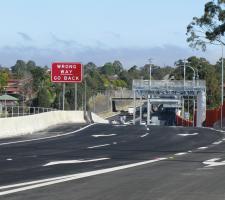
pixel 49 137
pixel 203 147
pixel 103 135
pixel 147 129
pixel 114 142
pixel 188 134
pixel 180 154
pixel 219 142
pixel 214 162
pixel 73 161
pixel 118 125
pixel 102 145
pixel 190 151
pixel 9 159
pixel 146 134
pixel 52 181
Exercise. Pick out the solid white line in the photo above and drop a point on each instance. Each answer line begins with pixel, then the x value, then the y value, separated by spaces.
pixel 47 182
pixel 144 135
pixel 49 137
pixel 219 142
pixel 103 135
pixel 73 161
pixel 102 145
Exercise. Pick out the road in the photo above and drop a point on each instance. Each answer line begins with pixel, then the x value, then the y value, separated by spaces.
pixel 114 162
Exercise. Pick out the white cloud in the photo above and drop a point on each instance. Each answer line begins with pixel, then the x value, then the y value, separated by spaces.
pixel 165 55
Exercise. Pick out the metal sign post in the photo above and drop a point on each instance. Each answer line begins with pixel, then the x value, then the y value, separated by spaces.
pixel 75 97
pixel 64 86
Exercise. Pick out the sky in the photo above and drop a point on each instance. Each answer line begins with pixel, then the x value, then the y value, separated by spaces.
pixel 99 31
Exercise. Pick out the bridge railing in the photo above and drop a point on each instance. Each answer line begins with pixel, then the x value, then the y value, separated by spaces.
pixel 16 111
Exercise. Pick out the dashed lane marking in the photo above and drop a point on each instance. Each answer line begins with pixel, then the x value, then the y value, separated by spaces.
pixel 103 135
pixel 102 145
pixel 146 134
pixel 73 161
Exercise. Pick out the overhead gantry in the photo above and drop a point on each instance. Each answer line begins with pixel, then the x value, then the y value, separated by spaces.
pixel 174 92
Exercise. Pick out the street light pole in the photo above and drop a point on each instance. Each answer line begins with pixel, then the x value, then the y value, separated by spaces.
pixel 221 110
pixel 85 95
pixel 150 71
pixel 184 72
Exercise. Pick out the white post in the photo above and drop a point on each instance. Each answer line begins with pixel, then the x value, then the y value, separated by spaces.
pixel 148 110
pixel 134 109
pixel 141 109
pixel 182 110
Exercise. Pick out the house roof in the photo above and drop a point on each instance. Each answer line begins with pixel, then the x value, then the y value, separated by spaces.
pixel 6 97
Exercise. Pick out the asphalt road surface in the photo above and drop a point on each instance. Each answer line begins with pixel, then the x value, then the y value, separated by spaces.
pixel 104 162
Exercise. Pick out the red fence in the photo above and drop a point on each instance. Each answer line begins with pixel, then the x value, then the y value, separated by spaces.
pixel 212 116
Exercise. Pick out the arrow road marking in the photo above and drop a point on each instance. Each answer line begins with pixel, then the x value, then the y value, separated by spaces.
pixel 214 162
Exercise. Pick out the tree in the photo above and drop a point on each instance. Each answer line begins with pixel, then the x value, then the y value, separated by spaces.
pixel 4 76
pixel 108 69
pixel 44 98
pixel 118 67
pixel 31 65
pixel 19 69
pixel 209 28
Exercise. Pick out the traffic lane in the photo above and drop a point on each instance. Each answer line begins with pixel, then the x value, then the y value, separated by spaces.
pixel 51 131
pixel 161 142
pixel 180 177
pixel 125 151
pixel 24 161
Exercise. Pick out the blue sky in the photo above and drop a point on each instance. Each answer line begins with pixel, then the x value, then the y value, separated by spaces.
pixel 98 30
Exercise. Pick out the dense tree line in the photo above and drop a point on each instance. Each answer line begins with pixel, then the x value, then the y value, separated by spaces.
pixel 40 91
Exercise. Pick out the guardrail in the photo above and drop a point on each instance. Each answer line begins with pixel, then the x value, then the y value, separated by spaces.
pixel 16 111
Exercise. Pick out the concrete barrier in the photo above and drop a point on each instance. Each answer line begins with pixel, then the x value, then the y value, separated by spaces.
pixel 16 126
